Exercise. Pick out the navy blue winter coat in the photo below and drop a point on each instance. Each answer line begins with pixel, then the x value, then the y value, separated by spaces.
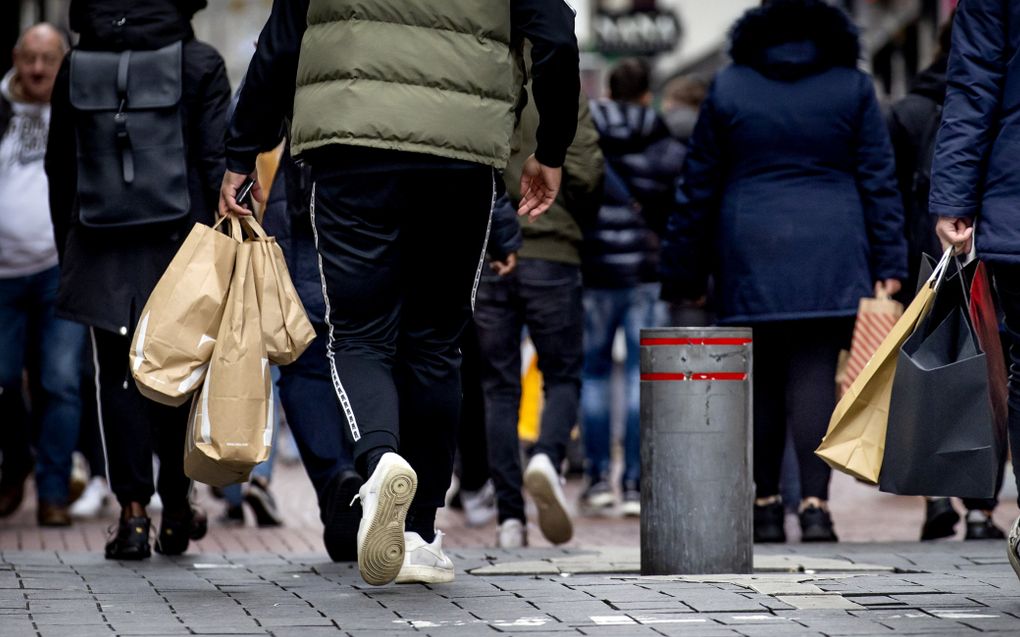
pixel 976 168
pixel 789 192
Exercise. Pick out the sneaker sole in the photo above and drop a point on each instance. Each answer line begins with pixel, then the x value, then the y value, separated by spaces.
pixel 553 519
pixel 424 575
pixel 381 553
pixel 631 509
pixel 602 501
pixel 266 514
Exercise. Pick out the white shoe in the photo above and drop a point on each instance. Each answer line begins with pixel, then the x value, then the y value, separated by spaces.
pixel 1013 547
pixel 385 499
pixel 512 535
pixel 425 563
pixel 93 499
pixel 79 477
pixel 479 506
pixel 543 483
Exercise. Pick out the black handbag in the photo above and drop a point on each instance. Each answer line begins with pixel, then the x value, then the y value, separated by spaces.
pixel 132 163
pixel 942 436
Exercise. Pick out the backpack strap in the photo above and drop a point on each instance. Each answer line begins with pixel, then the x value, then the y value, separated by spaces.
pixel 120 119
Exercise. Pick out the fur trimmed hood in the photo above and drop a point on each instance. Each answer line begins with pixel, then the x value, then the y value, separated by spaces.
pixel 791 39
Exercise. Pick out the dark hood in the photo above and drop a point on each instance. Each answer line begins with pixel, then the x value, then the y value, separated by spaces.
pixel 626 128
pixel 792 39
pixel 931 82
pixel 119 25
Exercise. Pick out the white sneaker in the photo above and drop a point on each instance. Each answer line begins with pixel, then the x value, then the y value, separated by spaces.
pixel 385 499
pixel 425 563
pixel 479 506
pixel 512 535
pixel 543 483
pixel 1013 547
pixel 93 499
pixel 79 477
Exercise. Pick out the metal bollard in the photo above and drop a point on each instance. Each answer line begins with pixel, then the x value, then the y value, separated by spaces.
pixel 696 480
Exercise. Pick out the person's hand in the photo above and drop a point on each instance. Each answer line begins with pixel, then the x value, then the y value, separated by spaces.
pixel 503 268
pixel 888 288
pixel 539 185
pixel 957 232
pixel 228 194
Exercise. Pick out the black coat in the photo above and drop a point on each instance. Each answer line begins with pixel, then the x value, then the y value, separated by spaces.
pixel 643 162
pixel 789 189
pixel 913 125
pixel 975 171
pixel 107 275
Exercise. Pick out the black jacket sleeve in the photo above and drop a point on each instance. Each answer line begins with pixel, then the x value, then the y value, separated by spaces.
pixel 61 158
pixel 556 84
pixel 209 126
pixel 267 98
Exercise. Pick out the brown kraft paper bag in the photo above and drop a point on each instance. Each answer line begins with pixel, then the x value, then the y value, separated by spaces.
pixel 176 330
pixel 855 440
pixel 231 425
pixel 285 325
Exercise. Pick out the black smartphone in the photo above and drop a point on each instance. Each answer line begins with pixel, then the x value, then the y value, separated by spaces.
pixel 243 196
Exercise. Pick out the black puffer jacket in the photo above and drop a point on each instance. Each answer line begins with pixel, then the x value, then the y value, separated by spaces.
pixel 643 161
pixel 107 275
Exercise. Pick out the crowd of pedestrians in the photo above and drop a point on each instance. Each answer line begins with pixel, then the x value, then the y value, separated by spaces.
pixel 444 191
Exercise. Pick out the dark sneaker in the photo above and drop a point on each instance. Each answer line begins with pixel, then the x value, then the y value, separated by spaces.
pixel 981 527
pixel 12 492
pixel 261 501
pixel 175 533
pixel 599 495
pixel 631 498
pixel 816 526
pixel 131 542
pixel 1013 547
pixel 769 527
pixel 48 514
pixel 940 519
pixel 341 518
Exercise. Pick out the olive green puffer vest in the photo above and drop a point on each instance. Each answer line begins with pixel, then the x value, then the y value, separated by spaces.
pixel 424 76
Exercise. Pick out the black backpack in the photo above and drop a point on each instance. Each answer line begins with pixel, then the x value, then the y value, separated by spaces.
pixel 132 163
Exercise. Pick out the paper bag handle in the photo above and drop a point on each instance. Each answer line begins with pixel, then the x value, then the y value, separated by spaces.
pixel 254 229
pixel 235 227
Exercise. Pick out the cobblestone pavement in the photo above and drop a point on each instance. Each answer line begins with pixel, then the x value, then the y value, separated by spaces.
pixel 859 589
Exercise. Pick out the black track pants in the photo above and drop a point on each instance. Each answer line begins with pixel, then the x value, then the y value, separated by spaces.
pixel 400 240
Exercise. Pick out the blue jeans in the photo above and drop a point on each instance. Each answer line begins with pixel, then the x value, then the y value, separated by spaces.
pixel 51 349
pixel 606 311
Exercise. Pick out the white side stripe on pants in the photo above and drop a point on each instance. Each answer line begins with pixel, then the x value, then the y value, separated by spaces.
pixel 99 406
pixel 485 244
pixel 341 394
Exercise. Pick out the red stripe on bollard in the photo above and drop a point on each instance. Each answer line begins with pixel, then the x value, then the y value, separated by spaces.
pixel 651 342
pixel 663 376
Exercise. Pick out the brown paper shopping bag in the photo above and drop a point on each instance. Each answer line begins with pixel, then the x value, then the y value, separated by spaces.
pixel 855 440
pixel 875 319
pixel 176 330
pixel 231 425
pixel 285 325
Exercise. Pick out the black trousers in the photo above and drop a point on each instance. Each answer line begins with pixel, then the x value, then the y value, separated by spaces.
pixel 472 447
pixel 545 297
pixel 134 427
pixel 1007 287
pixel 400 239
pixel 795 387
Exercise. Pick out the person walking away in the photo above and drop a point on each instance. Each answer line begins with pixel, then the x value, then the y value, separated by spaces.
pixel 31 335
pixel 789 198
pixel 543 294
pixel 913 125
pixel 973 179
pixel 403 110
pixel 108 273
pixel 476 495
pixel 620 263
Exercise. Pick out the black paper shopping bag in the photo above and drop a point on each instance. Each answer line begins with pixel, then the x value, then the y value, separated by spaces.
pixel 942 434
